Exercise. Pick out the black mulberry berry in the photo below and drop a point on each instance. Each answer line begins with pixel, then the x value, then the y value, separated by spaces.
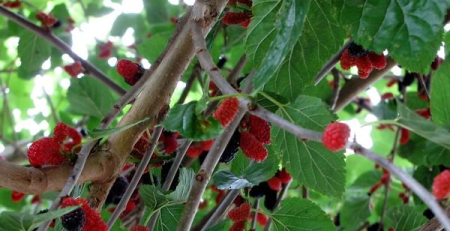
pixel 232 148
pixel 117 190
pixel 74 221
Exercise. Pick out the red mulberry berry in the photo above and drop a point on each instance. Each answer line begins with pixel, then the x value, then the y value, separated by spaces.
pixel 274 183
pixel 130 71
pixel 12 4
pixel 194 151
pixel 141 147
pixel 207 144
pixel 36 199
pixel 245 23
pixel 238 226
pixel 252 148
pixel 227 110
pixel 347 61
pixel 378 61
pixel 93 220
pixel 170 144
pixel 68 136
pixel 436 63
pixel 17 196
pixel 74 220
pixel 284 176
pixel 425 113
pixel 387 95
pixel 232 18
pixel 140 228
pixel 262 219
pixel 404 136
pixel 74 69
pixel 260 129
pixel 364 66
pixel 335 136
pixel 441 185
pixel 45 151
pixel 105 50
pixel 240 213
pixel 47 20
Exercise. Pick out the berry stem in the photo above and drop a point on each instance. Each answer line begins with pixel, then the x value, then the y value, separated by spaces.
pixel 255 213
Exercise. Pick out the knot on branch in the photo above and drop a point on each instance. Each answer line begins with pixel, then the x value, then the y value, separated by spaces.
pixel 201 176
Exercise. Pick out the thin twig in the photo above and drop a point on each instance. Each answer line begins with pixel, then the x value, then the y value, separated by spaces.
pixel 51 105
pixel 222 208
pixel 137 176
pixel 189 83
pixel 62 46
pixel 255 214
pixel 415 186
pixel 336 78
pixel 331 63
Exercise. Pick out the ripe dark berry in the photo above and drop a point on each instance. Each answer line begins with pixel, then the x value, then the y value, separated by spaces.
pixel 238 226
pixel 356 50
pixel 441 185
pixel 130 71
pixel 170 142
pixel 240 213
pixel 375 227
pixel 13 4
pixel 105 50
pixel 364 66
pixel 117 190
pixel 232 148
pixel 93 220
pixel 335 136
pixel 232 18
pixel 259 190
pixel 428 214
pixel 436 63
pixel 270 199
pixel 74 221
pixel 221 62
pixel 227 110
pixel 252 148
pixel 260 129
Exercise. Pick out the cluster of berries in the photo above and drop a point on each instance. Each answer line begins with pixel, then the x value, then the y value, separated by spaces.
pixel 19 196
pixel 238 18
pixel 270 188
pixel 197 148
pixel 47 20
pixel 239 216
pixel 356 55
pixel 130 71
pixel 335 136
pixel 74 69
pixel 57 149
pixel 84 218
pixel 12 4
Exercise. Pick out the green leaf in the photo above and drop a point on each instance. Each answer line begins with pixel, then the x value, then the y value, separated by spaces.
pixel 185 182
pixel 248 176
pixel 385 110
pixel 322 37
pixel 269 105
pixel 98 10
pixel 239 163
pixel 354 212
pixel 125 21
pixel 88 96
pixel 289 26
pixel 440 95
pixel 425 176
pixel 13 221
pixel 154 199
pixel 310 163
pixel 152 47
pixel 97 133
pixel 32 51
pixel 404 218
pixel 182 118
pixel 410 30
pixel 168 218
pixel 421 126
pixel 156 11
pixel 299 214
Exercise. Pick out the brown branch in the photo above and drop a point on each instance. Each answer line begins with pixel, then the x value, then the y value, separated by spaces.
pixel 353 87
pixel 62 46
pixel 434 224
pixel 336 80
